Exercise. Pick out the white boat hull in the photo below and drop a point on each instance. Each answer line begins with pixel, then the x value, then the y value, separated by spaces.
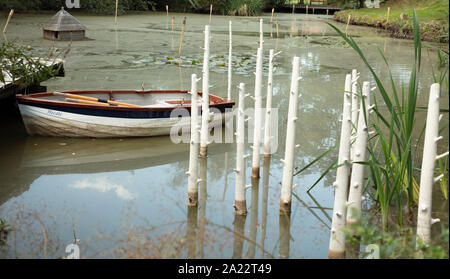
pixel 47 122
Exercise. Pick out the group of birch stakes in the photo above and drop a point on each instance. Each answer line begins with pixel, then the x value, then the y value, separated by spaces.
pixel 350 174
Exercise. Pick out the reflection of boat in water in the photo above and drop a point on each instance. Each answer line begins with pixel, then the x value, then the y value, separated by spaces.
pixel 111 113
pixel 49 156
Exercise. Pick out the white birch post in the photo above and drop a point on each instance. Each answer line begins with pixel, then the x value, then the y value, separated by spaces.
pixel 337 236
pixel 240 205
pixel 261 34
pixel 355 109
pixel 288 169
pixel 267 136
pixel 193 151
pixel 424 220
pixel 229 63
pixel 360 155
pixel 257 116
pixel 205 97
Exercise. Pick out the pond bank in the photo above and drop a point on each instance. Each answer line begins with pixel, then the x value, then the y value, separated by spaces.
pixel 432 14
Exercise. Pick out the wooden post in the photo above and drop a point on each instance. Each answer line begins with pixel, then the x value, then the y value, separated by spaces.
pixel 245 8
pixel 387 16
pixel 288 169
pixel 327 11
pixel 337 235
pixel 346 26
pixel 267 123
pixel 167 11
pixel 271 17
pixel 182 33
pixel 313 10
pixel 306 9
pixel 293 9
pixel 210 13
pixel 229 61
pixel 240 204
pixel 360 155
pixel 355 109
pixel 193 151
pixel 204 138
pixel 115 14
pixel 7 21
pixel 257 115
pixel 427 179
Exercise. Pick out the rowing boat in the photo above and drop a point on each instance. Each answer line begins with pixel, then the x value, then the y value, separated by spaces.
pixel 113 113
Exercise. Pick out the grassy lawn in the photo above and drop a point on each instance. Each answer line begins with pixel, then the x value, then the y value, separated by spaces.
pixel 432 14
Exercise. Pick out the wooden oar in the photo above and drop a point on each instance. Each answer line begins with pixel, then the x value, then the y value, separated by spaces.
pixel 68 95
pixel 81 101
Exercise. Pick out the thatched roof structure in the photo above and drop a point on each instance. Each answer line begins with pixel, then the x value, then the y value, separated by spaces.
pixel 63 21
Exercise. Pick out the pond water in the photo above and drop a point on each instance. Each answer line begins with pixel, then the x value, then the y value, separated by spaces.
pixel 127 197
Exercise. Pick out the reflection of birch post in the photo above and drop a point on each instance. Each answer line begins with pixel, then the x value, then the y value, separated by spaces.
pixel 173 22
pixel 267 123
pixel 210 13
pixel 424 220
pixel 276 26
pixel 193 151
pixel 355 109
pixel 191 232
pixel 182 33
pixel 288 169
pixel 238 236
pixel 202 204
pixel 285 236
pixel 360 151
pixel 257 116
pixel 253 219
pixel 261 34
pixel 7 21
pixel 337 236
pixel 240 205
pixel 205 98
pixel 230 50
pixel 115 14
pixel 264 202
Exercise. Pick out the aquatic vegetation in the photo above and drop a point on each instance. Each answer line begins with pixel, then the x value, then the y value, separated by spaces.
pixel 5 228
pixel 19 63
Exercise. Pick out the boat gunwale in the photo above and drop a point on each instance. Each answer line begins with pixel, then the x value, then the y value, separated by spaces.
pixel 215 101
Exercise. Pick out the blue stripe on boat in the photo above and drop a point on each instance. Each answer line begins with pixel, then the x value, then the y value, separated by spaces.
pixel 141 114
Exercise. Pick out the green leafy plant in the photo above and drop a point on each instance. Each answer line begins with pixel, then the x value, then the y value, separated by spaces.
pixel 23 68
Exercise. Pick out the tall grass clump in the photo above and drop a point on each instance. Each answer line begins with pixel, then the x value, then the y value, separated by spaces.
pixel 391 158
